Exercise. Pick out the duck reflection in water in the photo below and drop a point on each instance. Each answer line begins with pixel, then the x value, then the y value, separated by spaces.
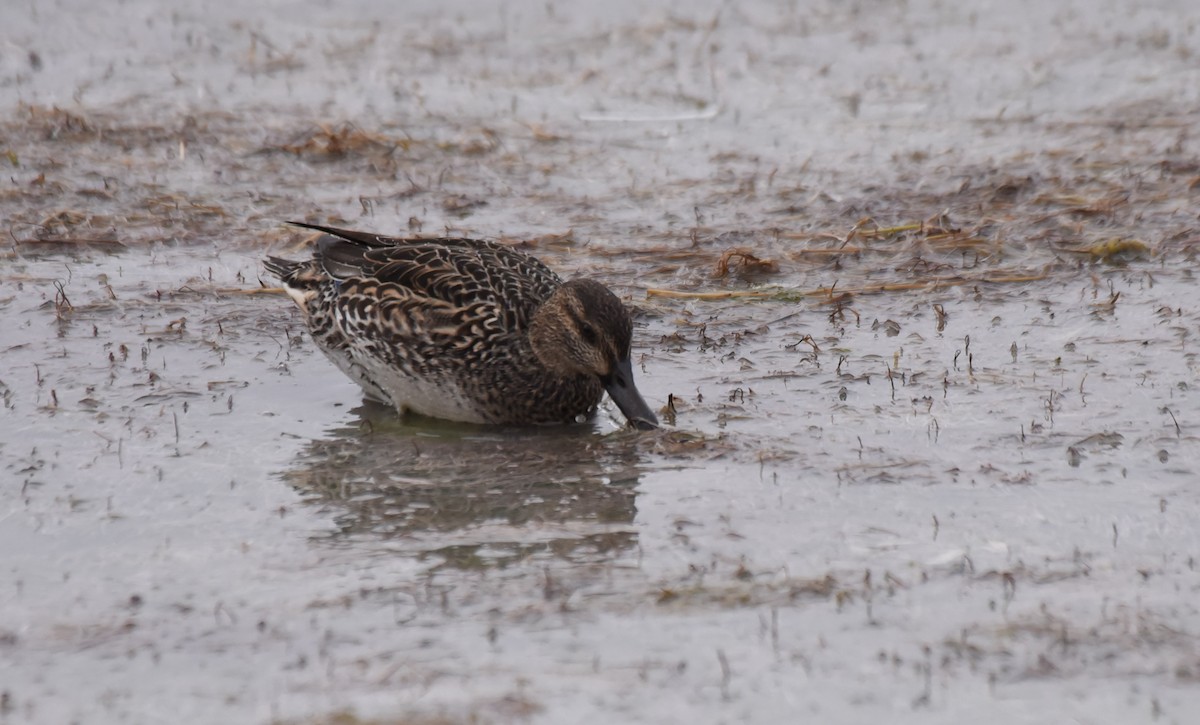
pixel 451 489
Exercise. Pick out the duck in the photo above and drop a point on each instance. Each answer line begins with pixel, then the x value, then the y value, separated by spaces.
pixel 465 330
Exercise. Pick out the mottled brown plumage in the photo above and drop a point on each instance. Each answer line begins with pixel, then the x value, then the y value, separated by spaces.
pixel 464 329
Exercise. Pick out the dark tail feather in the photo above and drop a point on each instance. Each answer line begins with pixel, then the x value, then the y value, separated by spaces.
pixel 281 268
pixel 342 252
pixel 363 239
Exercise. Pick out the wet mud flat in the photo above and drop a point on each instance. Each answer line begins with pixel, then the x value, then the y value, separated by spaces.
pixel 914 286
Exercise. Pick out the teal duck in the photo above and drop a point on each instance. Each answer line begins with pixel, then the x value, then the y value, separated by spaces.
pixel 464 329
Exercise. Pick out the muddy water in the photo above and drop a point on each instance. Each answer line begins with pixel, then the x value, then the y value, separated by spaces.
pixel 914 284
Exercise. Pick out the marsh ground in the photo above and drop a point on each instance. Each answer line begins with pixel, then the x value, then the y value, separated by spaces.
pixel 917 278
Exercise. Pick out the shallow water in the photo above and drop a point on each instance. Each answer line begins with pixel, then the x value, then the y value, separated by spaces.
pixel 917 279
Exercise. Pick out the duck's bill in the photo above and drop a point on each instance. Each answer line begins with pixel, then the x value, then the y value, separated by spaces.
pixel 621 389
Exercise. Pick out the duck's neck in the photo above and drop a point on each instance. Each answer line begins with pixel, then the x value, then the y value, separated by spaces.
pixel 550 333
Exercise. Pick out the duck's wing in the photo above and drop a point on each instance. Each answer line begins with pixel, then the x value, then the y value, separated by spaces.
pixel 471 276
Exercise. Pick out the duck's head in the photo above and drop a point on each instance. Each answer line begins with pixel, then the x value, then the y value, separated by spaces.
pixel 583 329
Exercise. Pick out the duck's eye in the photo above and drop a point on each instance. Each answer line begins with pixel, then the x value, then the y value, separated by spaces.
pixel 588 333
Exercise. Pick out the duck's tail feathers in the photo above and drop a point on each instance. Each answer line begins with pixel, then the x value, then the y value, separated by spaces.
pixel 280 267
pixel 364 239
